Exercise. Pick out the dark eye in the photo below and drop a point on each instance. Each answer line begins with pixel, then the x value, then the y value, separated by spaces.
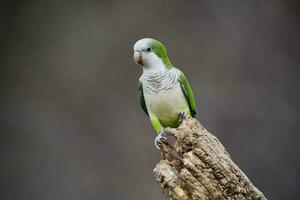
pixel 148 49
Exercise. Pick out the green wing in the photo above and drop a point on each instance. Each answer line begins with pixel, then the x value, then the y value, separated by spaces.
pixel 141 97
pixel 188 93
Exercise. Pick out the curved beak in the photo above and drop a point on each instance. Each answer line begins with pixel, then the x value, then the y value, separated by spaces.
pixel 137 57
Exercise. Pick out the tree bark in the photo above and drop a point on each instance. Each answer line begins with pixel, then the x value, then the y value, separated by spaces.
pixel 197 166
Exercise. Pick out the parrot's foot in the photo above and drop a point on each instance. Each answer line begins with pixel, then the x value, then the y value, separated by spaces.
pixel 182 116
pixel 158 139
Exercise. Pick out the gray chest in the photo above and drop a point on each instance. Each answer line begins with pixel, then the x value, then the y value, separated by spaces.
pixel 154 83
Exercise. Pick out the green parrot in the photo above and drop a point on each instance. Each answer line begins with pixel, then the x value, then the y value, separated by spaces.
pixel 163 90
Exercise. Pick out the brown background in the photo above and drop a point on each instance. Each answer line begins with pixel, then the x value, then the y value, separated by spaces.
pixel 71 127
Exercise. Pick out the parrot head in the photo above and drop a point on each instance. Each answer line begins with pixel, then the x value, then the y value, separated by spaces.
pixel 151 54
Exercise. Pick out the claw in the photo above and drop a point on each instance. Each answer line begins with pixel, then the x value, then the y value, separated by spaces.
pixel 182 116
pixel 158 139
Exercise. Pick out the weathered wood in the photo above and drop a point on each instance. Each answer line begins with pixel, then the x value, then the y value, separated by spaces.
pixel 197 166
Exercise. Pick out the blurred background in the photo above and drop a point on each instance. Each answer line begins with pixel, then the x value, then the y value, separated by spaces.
pixel 71 124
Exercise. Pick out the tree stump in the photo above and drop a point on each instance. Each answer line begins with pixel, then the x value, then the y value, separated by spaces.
pixel 197 166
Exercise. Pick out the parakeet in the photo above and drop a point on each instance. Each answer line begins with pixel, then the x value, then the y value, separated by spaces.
pixel 163 90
